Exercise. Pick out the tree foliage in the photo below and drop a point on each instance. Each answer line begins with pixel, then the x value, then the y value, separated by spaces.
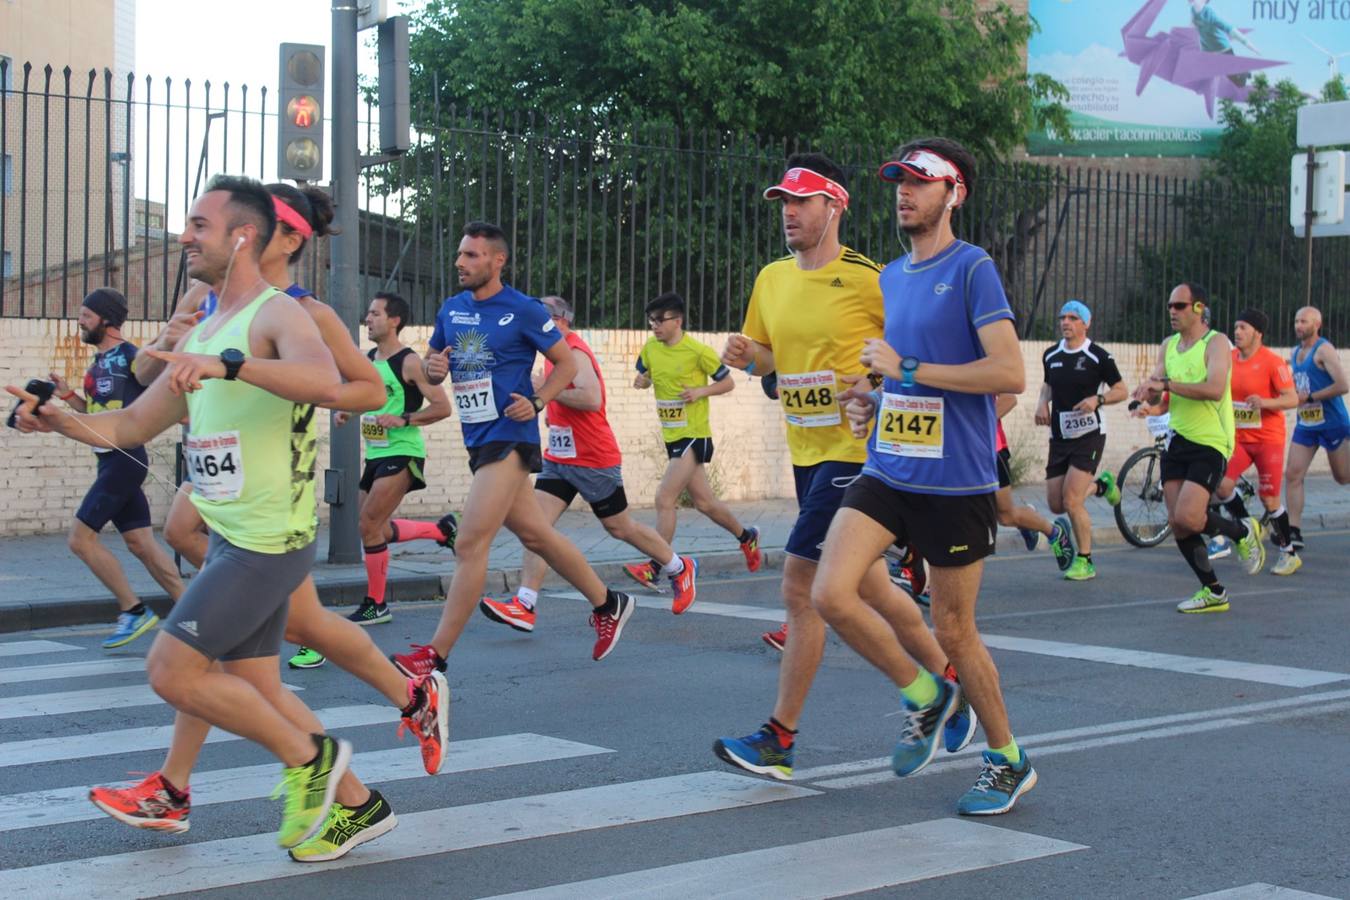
pixel 830 72
pixel 1259 137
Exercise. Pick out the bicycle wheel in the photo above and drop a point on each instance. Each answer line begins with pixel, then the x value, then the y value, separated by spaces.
pixel 1142 512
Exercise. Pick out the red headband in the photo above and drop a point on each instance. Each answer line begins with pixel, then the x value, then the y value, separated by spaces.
pixel 801 182
pixel 286 213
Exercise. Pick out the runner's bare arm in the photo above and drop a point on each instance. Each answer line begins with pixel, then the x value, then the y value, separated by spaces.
pixel 1152 387
pixel 438 404
pixel 1004 404
pixel 564 371
pixel 185 315
pixel 1000 372
pixel 585 391
pixel 363 390
pixel 1042 415
pixel 1330 361
pixel 1218 365
pixel 154 411
pixel 712 389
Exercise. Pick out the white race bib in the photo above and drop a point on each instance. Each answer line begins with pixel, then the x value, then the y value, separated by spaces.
pixel 474 401
pixel 1245 415
pixel 372 432
pixel 809 399
pixel 1075 424
pixel 671 413
pixel 910 426
pixel 1159 426
pixel 561 442
pixel 216 464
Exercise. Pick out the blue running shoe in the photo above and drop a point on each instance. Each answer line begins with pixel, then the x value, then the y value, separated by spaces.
pixel 960 728
pixel 130 627
pixel 759 753
pixel 998 787
pixel 1030 536
pixel 1219 547
pixel 919 741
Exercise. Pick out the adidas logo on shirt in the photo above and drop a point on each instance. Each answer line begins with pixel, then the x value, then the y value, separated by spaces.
pixel 838 282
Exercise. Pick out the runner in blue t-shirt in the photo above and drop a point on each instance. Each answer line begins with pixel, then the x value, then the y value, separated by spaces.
pixel 930 476
pixel 486 338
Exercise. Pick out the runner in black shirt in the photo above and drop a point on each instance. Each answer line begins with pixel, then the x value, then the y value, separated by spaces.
pixel 1070 403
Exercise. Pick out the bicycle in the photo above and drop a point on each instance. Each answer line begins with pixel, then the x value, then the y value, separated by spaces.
pixel 1141 514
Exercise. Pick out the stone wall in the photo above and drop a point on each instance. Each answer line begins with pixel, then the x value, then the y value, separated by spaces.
pixel 43 477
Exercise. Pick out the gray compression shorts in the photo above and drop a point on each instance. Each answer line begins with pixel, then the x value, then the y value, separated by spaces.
pixel 235 608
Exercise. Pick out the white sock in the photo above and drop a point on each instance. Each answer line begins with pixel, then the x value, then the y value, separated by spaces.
pixel 1279 512
pixel 674 567
pixel 527 597
pixel 1225 499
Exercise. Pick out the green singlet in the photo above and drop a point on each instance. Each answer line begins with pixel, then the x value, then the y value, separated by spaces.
pixel 401 398
pixel 1205 422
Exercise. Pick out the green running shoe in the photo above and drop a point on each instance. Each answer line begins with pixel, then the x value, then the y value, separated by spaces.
pixel 1108 488
pixel 1061 543
pixel 309 790
pixel 1081 570
pixel 346 829
pixel 1204 601
pixel 306 658
pixel 1252 549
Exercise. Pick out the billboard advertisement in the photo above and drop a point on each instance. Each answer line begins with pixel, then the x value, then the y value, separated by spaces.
pixel 1146 76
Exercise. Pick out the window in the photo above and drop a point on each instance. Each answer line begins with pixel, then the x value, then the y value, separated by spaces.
pixel 9 174
pixel 8 267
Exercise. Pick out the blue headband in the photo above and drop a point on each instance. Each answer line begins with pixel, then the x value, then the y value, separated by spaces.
pixel 1077 308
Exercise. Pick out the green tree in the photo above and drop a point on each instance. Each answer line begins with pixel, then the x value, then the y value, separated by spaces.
pixel 824 71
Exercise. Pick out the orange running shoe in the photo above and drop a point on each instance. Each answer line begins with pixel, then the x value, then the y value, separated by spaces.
pixel 514 613
pixel 753 557
pixel 150 804
pixel 429 719
pixel 645 574
pixel 775 639
pixel 683 584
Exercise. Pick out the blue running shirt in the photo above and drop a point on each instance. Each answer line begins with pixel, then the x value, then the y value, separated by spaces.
pixel 493 344
pixel 1309 377
pixel 926 440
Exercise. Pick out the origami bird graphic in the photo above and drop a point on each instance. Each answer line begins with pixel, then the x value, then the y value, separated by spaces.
pixel 1175 56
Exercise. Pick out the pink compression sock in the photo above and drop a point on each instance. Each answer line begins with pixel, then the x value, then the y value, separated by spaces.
pixel 377 571
pixel 411 530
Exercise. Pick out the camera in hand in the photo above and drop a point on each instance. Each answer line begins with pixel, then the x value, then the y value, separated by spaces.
pixel 43 390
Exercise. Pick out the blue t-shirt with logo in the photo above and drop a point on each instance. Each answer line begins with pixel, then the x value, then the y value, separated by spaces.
pixel 492 344
pixel 110 382
pixel 926 440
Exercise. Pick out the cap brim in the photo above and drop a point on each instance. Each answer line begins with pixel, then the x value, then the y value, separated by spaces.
pixel 778 190
pixel 891 171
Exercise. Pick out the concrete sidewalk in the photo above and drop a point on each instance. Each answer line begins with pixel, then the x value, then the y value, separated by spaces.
pixel 43 585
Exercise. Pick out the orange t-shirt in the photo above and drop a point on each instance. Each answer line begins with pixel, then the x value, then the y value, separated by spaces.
pixel 1264 375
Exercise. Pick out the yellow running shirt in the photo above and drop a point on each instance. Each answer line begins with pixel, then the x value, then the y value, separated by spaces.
pixel 672 369
pixel 815 323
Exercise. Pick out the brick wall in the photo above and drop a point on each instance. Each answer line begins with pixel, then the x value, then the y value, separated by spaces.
pixel 43 477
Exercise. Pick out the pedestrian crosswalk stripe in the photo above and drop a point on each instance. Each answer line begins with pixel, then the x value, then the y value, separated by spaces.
pixel 248 860
pixel 24 674
pixel 1261 891
pixel 58 806
pixel 63 702
pixel 831 867
pixel 28 648
pixel 157 737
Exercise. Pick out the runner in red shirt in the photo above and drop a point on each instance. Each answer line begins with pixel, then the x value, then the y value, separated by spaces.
pixel 582 457
pixel 1263 388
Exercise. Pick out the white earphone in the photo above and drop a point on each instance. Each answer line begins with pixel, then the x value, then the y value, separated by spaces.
pixel 951 204
pixel 239 243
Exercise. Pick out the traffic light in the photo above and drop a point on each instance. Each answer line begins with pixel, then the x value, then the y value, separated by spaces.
pixel 300 105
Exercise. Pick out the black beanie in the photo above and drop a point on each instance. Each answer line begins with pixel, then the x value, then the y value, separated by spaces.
pixel 1256 319
pixel 110 305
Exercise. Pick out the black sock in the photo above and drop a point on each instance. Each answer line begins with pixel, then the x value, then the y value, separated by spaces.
pixel 413 702
pixel 1086 557
pixel 1197 557
pixel 784 734
pixel 1279 524
pixel 174 793
pixel 137 610
pixel 611 605
pixel 1217 524
pixel 1236 508
pixel 746 536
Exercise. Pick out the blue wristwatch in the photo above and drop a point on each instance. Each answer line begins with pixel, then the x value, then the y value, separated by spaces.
pixel 908 366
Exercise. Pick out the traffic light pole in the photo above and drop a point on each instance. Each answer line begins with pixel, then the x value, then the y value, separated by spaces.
pixel 344 535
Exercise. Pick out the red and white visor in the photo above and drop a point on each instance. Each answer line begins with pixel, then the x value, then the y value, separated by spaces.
pixel 922 164
pixel 801 182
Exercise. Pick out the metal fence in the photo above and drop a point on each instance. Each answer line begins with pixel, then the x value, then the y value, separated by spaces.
pixel 610 213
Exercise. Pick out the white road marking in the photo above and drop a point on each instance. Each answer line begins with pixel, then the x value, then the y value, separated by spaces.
pixel 71 804
pixel 1260 891
pixel 157 737
pixel 256 858
pixel 832 867
pixel 26 648
pixel 64 702
pixel 1090 607
pixel 83 669
pixel 1260 673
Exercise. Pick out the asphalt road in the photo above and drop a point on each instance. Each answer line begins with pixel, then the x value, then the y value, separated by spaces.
pixel 1179 756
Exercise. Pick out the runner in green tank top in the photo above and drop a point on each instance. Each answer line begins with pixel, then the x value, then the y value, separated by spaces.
pixel 1193 369
pixel 216 657
pixel 396 455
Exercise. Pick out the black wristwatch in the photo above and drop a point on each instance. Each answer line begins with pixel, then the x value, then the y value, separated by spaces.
pixel 1101 400
pixel 407 419
pixel 538 404
pixel 233 360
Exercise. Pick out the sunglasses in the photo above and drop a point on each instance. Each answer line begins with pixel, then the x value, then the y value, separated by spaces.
pixel 657 320
pixel 1178 306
